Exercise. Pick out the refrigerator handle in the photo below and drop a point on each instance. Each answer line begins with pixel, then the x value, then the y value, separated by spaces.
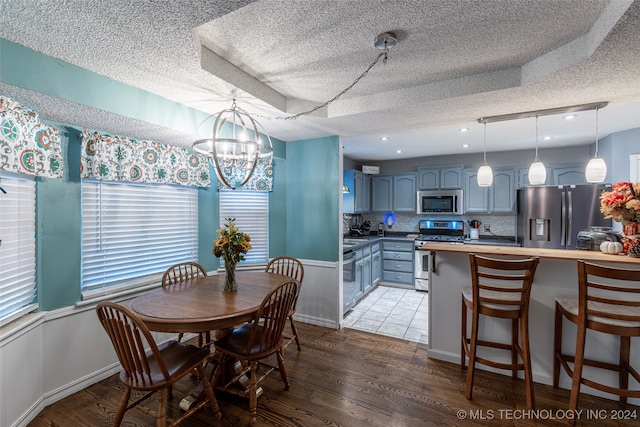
pixel 569 217
pixel 563 222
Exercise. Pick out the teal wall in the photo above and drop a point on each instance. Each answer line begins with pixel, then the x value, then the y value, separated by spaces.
pixel 58 208
pixel 314 186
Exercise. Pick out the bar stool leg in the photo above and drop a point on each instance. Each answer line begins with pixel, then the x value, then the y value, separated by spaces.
pixel 472 352
pixel 463 335
pixel 514 346
pixel 557 347
pixel 526 360
pixel 625 350
pixel 578 364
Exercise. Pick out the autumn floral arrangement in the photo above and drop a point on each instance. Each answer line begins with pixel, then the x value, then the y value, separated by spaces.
pixel 231 245
pixel 622 204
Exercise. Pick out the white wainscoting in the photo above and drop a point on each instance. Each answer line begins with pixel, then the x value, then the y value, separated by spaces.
pixel 47 356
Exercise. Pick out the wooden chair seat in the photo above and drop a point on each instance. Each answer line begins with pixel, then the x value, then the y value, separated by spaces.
pixel 500 288
pixel 152 368
pixel 569 305
pixel 608 302
pixel 257 340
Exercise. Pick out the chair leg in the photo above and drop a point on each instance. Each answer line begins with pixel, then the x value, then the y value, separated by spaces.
pixel 295 332
pixel 208 389
pixel 124 402
pixel 514 348
pixel 625 349
pixel 161 411
pixel 282 369
pixel 526 361
pixel 581 336
pixel 463 335
pixel 472 353
pixel 253 399
pixel 557 347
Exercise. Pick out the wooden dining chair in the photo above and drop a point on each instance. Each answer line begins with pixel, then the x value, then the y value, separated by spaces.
pixel 291 267
pixel 255 341
pixel 180 273
pixel 499 288
pixel 154 370
pixel 608 302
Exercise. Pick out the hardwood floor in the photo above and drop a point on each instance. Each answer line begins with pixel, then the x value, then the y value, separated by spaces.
pixel 356 379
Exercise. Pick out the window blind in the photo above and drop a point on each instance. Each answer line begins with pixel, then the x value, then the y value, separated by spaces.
pixel 17 248
pixel 251 211
pixel 131 233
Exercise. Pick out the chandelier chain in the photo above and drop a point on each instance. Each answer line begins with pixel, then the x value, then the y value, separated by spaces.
pixel 382 54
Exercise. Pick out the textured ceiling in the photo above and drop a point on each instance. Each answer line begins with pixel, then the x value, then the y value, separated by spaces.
pixel 456 61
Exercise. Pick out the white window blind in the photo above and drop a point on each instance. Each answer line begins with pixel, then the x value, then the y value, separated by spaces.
pixel 17 248
pixel 131 232
pixel 251 211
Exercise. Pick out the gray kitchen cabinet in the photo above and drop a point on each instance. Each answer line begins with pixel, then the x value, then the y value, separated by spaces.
pixel 358 200
pixel 366 270
pixel 376 264
pixel 476 198
pixel 497 199
pixel 440 177
pixel 397 261
pixel 359 275
pixel 381 193
pixel 569 174
pixel 404 192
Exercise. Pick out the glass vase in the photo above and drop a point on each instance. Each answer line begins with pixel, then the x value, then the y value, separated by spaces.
pixel 230 283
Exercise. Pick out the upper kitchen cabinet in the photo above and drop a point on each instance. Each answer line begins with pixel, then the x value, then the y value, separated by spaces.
pixel 569 174
pixel 440 177
pixel 523 177
pixel 395 193
pixel 496 199
pixel 358 200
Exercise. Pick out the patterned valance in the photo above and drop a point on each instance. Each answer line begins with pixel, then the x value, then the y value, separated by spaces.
pixel 261 180
pixel 28 146
pixel 117 158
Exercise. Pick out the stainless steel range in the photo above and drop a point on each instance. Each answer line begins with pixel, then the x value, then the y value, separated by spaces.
pixel 433 231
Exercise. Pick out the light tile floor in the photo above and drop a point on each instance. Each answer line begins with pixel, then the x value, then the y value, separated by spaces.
pixel 399 313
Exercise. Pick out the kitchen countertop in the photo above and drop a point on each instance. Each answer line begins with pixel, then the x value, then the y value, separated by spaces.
pixel 594 256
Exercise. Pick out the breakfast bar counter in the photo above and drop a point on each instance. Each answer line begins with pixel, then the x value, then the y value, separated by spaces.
pixel 556 275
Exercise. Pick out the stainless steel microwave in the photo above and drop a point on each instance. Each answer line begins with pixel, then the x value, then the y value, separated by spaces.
pixel 440 202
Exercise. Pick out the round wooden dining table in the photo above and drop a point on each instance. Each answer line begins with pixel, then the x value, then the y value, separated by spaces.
pixel 201 305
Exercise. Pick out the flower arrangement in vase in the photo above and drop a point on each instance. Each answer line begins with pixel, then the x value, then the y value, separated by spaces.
pixel 231 245
pixel 622 204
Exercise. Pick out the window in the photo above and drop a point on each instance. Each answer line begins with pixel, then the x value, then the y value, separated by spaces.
pixel 17 247
pixel 251 211
pixel 132 232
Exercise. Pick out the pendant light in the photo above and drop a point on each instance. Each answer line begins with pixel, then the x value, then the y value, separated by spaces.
pixel 596 170
pixel 485 174
pixel 537 171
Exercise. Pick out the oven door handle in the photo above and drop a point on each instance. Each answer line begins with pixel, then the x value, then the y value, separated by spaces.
pixel 432 261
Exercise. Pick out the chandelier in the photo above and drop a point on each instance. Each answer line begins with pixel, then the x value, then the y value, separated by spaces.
pixel 235 147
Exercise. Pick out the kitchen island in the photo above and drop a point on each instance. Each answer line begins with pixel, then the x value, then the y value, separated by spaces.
pixel 556 275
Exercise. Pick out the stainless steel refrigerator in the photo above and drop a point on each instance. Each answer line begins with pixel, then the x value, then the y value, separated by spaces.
pixel 552 216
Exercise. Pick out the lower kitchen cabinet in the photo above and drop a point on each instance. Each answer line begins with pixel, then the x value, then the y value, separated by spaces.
pixel 359 275
pixel 376 263
pixel 397 261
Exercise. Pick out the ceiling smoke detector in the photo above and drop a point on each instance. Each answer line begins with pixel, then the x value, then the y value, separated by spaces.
pixel 385 41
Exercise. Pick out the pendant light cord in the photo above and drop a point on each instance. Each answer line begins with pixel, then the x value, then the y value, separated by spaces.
pixel 536 160
pixel 596 132
pixel 484 145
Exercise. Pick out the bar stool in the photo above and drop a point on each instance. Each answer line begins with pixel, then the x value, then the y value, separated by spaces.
pixel 500 288
pixel 609 302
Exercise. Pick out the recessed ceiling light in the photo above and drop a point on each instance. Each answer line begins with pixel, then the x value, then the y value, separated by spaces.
pixel 383 138
pixel 399 151
pixel 547 138
pixel 463 129
pixel 465 145
pixel 570 116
